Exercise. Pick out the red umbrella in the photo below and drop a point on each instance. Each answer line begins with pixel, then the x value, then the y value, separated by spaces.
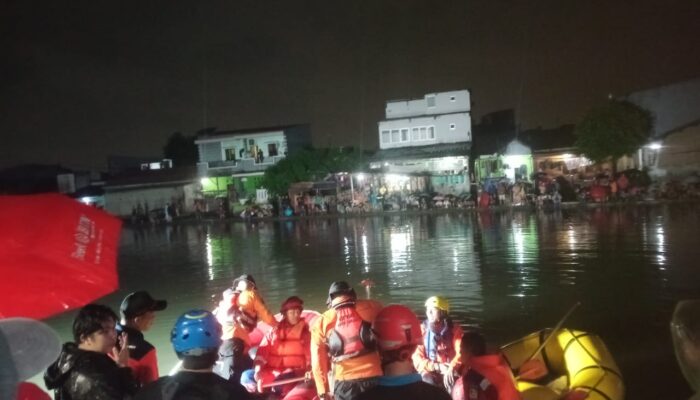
pixel 55 254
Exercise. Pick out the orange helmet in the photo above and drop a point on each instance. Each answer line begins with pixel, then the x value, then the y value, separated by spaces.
pixel 396 326
pixel 292 302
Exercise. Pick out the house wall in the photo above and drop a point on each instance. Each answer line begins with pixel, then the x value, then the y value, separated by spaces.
pixel 121 201
pixel 448 128
pixel 672 106
pixel 430 104
pixel 680 153
pixel 210 151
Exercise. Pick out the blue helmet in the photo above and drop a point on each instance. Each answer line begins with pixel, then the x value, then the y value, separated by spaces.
pixel 195 333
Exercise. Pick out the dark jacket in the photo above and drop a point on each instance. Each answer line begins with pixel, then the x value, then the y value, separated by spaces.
pixel 193 386
pixel 88 375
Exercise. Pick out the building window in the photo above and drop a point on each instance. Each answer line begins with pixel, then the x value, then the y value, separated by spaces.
pixel 431 132
pixel 452 98
pixel 404 135
pixel 394 136
pixel 385 137
pixel 272 149
pixel 423 133
pixel 415 135
pixel 430 100
pixel 230 154
pixel 453 127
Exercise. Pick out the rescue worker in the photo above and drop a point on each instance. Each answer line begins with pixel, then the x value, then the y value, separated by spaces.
pixel 84 371
pixel 196 338
pixel 137 315
pixel 438 357
pixel 484 376
pixel 397 332
pixel 238 314
pixel 342 336
pixel 284 352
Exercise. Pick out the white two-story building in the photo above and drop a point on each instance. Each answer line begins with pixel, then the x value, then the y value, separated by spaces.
pixel 232 163
pixel 428 137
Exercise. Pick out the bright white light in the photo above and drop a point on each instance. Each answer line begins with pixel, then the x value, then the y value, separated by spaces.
pixel 568 155
pixel 396 181
pixel 210 257
pixel 85 200
pixel 654 146
pixel 360 177
pixel 204 181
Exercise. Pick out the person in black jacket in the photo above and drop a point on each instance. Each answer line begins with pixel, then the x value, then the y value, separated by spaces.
pixel 196 338
pixel 84 370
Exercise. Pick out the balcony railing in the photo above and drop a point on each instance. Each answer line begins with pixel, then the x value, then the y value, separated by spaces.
pixel 242 165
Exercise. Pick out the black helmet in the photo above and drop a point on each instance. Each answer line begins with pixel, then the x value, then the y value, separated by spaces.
pixel 338 288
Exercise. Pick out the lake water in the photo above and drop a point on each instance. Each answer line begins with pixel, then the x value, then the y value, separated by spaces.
pixel 506 273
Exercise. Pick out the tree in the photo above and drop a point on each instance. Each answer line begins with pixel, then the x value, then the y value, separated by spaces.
pixel 613 130
pixel 181 149
pixel 309 165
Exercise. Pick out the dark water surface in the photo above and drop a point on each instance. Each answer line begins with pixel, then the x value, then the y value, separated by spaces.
pixel 507 273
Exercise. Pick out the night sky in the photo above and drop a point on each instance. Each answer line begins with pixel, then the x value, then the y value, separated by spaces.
pixel 85 79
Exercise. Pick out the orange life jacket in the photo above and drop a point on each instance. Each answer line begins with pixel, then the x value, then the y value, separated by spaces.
pixel 351 336
pixel 288 346
pixel 240 317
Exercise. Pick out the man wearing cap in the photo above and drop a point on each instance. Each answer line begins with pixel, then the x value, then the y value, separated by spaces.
pixel 137 316
pixel 238 313
pixel 342 336
pixel 26 348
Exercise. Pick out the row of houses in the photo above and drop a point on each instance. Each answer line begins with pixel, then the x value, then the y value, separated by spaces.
pixel 425 145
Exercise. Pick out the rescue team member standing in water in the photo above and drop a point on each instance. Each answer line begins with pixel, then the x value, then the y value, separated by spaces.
pixel 484 376
pixel 238 314
pixel 284 352
pixel 342 335
pixel 83 370
pixel 397 332
pixel 196 338
pixel 438 357
pixel 137 316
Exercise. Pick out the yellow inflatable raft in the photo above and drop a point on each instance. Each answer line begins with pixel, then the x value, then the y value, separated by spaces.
pixel 578 365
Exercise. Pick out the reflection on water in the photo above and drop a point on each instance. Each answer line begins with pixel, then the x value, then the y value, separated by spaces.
pixel 506 273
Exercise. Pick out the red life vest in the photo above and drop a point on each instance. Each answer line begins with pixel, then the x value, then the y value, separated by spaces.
pixel 488 378
pixel 288 346
pixel 240 317
pixel 351 336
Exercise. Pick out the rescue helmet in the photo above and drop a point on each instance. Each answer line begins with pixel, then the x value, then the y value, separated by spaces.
pixel 340 288
pixel 292 302
pixel 195 333
pixel 396 326
pixel 438 302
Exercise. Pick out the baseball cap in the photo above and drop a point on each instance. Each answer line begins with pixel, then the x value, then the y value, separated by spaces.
pixel 29 344
pixel 139 303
